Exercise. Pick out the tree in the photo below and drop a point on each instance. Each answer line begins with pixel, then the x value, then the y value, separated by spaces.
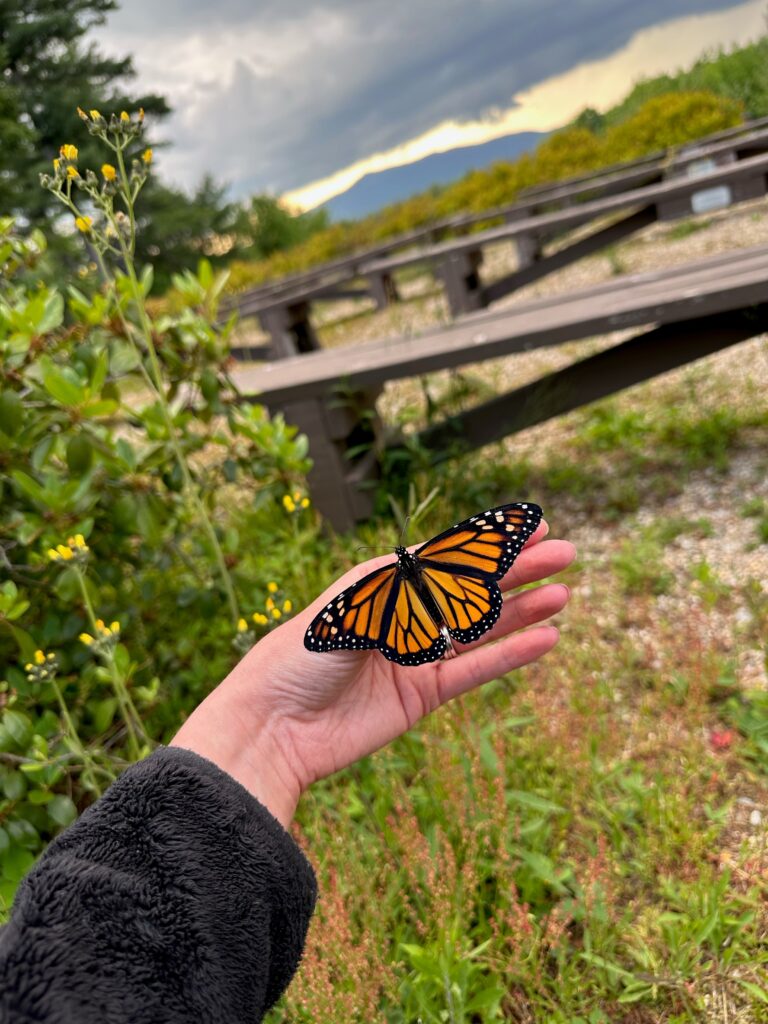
pixel 47 73
pixel 272 227
pixel 175 230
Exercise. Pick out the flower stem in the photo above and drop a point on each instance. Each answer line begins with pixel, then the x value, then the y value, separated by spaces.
pixel 88 762
pixel 130 714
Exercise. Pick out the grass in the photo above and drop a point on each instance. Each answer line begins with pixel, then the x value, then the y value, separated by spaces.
pixel 686 228
pixel 576 843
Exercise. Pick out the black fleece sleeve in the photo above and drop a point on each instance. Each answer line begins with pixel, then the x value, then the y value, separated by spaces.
pixel 175 897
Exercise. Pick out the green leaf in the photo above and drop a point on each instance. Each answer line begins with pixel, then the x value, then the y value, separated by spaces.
pixel 18 726
pixel 544 869
pixel 14 785
pixel 62 383
pixel 16 862
pixel 755 990
pixel 40 796
pixel 62 810
pixel 11 412
pixel 53 314
pixel 79 454
pixel 5 842
pixel 100 407
pixel 103 713
pixel 538 803
pixel 29 486
pixel 100 371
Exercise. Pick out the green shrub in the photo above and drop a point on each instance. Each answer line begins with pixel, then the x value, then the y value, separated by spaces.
pixel 138 494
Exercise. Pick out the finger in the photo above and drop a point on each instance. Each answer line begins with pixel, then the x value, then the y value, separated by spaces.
pixel 536 563
pixel 523 610
pixel 479 665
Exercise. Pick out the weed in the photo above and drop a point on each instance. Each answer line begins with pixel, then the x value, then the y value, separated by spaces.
pixel 686 228
pixel 639 567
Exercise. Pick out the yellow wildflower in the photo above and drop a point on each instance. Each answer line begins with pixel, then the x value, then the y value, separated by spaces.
pixel 68 151
pixel 86 639
pixel 83 224
pixel 259 619
pixel 305 502
pixel 276 613
pixel 64 552
pixel 95 115
pixel 82 114
pixel 72 172
pixel 270 604
pixel 272 587
pixel 288 503
pixel 28 667
pixel 124 116
pixel 146 156
pixel 287 606
pixel 114 627
pixel 56 164
pixel 141 114
pixel 39 658
pixel 109 172
pixel 242 625
pixel 79 542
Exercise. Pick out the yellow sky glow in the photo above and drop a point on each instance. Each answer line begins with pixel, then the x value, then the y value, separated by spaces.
pixel 556 101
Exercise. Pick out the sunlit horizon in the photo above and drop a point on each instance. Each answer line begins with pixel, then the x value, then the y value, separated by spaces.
pixel 557 100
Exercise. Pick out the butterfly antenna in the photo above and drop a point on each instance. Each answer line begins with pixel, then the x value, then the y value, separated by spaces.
pixel 368 547
pixel 405 529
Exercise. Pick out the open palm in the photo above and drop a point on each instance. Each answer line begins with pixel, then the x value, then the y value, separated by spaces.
pixel 308 714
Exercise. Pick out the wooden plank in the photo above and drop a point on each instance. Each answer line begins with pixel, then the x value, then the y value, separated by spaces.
pixel 607 180
pixel 605 373
pixel 704 288
pixel 598 240
pixel 550 224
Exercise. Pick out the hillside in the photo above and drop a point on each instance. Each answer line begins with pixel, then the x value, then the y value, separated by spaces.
pixel 375 191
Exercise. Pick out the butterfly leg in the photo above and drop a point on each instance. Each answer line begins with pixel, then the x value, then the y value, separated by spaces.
pixel 450 650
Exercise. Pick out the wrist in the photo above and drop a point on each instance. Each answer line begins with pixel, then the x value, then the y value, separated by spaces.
pixel 247 752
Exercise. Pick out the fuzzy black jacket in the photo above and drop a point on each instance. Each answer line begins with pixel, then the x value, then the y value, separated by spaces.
pixel 176 897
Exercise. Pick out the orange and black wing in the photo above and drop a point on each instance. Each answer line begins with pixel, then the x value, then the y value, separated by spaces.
pixel 383 610
pixel 461 566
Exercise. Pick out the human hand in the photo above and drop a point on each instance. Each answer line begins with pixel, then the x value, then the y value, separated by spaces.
pixel 286 716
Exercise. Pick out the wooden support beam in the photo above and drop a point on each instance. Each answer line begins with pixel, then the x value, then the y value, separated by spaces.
pixel 584 247
pixel 290 329
pixel 460 272
pixel 383 288
pixel 636 360
pixel 344 434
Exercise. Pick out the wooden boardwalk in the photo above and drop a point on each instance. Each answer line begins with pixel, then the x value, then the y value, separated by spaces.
pixel 691 311
pixel 457 261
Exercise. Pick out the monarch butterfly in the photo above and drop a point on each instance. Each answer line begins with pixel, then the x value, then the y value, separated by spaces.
pixel 412 609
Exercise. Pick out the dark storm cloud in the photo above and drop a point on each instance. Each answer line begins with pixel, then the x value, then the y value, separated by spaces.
pixel 276 94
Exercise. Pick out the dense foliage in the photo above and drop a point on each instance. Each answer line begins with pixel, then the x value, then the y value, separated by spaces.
pixel 97 527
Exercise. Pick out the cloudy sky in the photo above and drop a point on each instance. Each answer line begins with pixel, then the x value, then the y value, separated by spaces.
pixel 302 98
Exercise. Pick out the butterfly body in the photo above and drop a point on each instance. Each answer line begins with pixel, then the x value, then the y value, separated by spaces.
pixel 446 590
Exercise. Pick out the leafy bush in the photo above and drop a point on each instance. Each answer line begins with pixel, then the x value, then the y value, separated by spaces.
pixel 139 492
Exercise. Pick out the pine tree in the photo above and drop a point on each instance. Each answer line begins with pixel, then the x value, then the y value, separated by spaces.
pixel 48 70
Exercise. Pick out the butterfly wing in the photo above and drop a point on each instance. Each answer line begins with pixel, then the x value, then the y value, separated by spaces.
pixel 382 610
pixel 461 566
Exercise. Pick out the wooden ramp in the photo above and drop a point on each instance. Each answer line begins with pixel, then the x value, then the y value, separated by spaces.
pixel 693 310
